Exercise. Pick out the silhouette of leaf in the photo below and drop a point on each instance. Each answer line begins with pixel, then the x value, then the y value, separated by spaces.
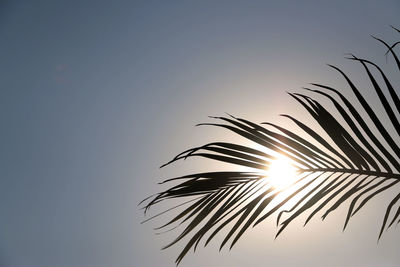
pixel 351 157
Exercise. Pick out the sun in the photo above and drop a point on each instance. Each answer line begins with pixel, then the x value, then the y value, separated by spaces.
pixel 281 173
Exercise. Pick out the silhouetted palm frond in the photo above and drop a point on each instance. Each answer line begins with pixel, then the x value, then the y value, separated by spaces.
pixel 353 158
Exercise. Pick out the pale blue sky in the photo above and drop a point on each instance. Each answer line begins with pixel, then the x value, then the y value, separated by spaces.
pixel 95 95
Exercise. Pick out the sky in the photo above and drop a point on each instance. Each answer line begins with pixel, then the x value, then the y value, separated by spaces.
pixel 96 95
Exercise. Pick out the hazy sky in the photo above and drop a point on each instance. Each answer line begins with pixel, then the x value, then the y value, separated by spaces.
pixel 96 95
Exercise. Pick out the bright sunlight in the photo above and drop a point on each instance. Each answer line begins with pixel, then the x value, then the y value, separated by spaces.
pixel 281 173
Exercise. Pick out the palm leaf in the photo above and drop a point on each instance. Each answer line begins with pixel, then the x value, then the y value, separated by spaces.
pixel 347 160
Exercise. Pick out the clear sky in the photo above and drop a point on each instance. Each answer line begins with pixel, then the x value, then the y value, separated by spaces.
pixel 96 95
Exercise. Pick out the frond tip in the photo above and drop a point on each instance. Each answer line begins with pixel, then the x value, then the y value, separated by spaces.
pixel 351 158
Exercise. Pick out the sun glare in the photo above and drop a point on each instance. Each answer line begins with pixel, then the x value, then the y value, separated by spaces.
pixel 281 173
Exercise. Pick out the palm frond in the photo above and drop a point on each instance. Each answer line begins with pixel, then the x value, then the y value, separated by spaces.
pixel 352 158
